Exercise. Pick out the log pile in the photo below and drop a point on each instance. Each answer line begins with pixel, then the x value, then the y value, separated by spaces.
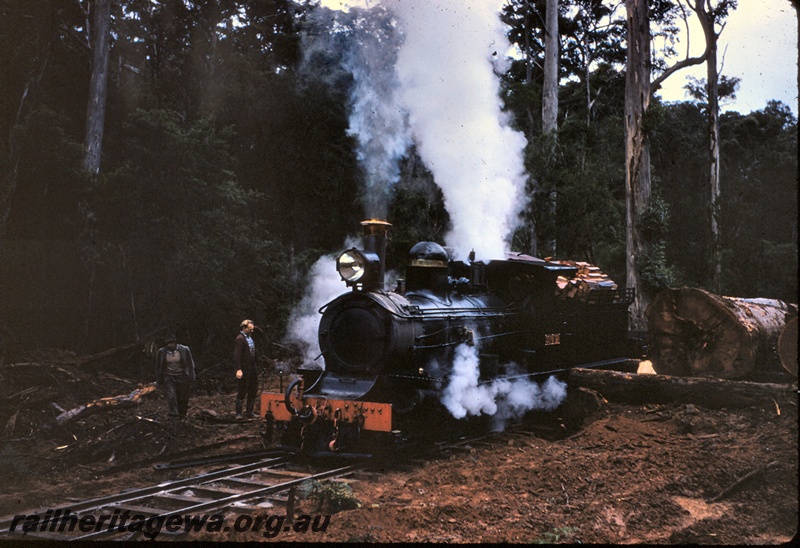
pixel 694 333
pixel 586 284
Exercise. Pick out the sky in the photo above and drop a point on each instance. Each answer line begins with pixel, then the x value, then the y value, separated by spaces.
pixel 758 45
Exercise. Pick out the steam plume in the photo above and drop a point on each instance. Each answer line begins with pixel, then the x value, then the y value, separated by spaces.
pixel 364 44
pixel 324 285
pixel 504 399
pixel 446 68
pixel 428 71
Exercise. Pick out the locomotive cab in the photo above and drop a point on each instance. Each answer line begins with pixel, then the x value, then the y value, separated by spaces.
pixel 427 268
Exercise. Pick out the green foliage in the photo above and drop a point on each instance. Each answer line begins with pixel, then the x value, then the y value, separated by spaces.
pixel 587 175
pixel 556 535
pixel 197 256
pixel 416 212
pixel 329 496
pixel 679 157
pixel 654 221
pixel 224 177
pixel 654 270
pixel 41 277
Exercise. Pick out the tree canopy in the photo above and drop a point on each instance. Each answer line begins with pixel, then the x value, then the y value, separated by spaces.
pixel 225 172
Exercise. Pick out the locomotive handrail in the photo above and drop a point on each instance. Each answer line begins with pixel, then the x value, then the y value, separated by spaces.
pixel 455 343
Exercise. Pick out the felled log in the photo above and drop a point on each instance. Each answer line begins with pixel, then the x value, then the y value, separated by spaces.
pixel 787 346
pixel 692 332
pixel 104 404
pixel 706 392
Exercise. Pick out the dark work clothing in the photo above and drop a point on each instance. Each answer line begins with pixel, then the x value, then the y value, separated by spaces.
pixel 248 389
pixel 177 387
pixel 186 359
pixel 177 390
pixel 244 359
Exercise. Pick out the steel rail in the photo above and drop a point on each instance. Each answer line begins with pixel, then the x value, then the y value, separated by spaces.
pixel 223 502
pixel 194 504
pixel 135 494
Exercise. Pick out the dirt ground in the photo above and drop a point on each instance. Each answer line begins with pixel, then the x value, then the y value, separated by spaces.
pixel 664 474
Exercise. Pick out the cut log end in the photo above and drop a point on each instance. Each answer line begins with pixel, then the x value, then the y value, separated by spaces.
pixel 693 332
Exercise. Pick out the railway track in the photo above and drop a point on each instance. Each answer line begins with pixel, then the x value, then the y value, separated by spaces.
pixel 135 513
pixel 259 487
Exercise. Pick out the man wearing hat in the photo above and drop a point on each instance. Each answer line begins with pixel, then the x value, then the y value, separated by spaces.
pixel 175 372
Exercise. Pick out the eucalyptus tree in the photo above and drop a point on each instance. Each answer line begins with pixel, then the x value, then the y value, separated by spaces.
pixel 581 38
pixel 100 44
pixel 758 213
pixel 644 247
pixel 711 16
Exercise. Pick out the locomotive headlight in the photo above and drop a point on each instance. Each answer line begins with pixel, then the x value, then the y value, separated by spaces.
pixel 351 265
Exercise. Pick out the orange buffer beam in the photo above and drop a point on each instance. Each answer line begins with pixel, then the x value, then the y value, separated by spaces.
pixel 377 416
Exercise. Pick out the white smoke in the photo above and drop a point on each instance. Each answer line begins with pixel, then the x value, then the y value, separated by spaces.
pixel 324 285
pixel 429 71
pixel 446 68
pixel 364 44
pixel 504 399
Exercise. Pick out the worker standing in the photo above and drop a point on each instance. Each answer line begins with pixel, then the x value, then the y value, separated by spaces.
pixel 244 363
pixel 175 374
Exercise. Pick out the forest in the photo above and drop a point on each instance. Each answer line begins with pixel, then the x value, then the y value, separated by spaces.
pixel 179 165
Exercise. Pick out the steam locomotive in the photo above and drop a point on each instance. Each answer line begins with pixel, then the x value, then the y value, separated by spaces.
pixel 388 354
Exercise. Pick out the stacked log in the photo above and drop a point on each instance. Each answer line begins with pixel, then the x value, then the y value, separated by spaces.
pixel 587 280
pixel 694 333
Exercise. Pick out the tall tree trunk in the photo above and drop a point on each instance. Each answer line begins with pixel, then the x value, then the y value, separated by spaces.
pixel 637 151
pixel 528 67
pixel 714 167
pixel 712 96
pixel 532 229
pixel 550 108
pixel 638 188
pixel 550 88
pixel 98 85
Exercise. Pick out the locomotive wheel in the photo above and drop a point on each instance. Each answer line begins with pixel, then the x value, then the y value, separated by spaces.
pixel 307 414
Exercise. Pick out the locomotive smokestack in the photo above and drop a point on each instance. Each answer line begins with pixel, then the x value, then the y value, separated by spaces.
pixel 375 232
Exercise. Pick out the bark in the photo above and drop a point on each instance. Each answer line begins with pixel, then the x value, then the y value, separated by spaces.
pixel 709 393
pixel 550 86
pixel 638 189
pixel 696 333
pixel 712 95
pixel 550 108
pixel 787 346
pixel 98 86
pixel 637 150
